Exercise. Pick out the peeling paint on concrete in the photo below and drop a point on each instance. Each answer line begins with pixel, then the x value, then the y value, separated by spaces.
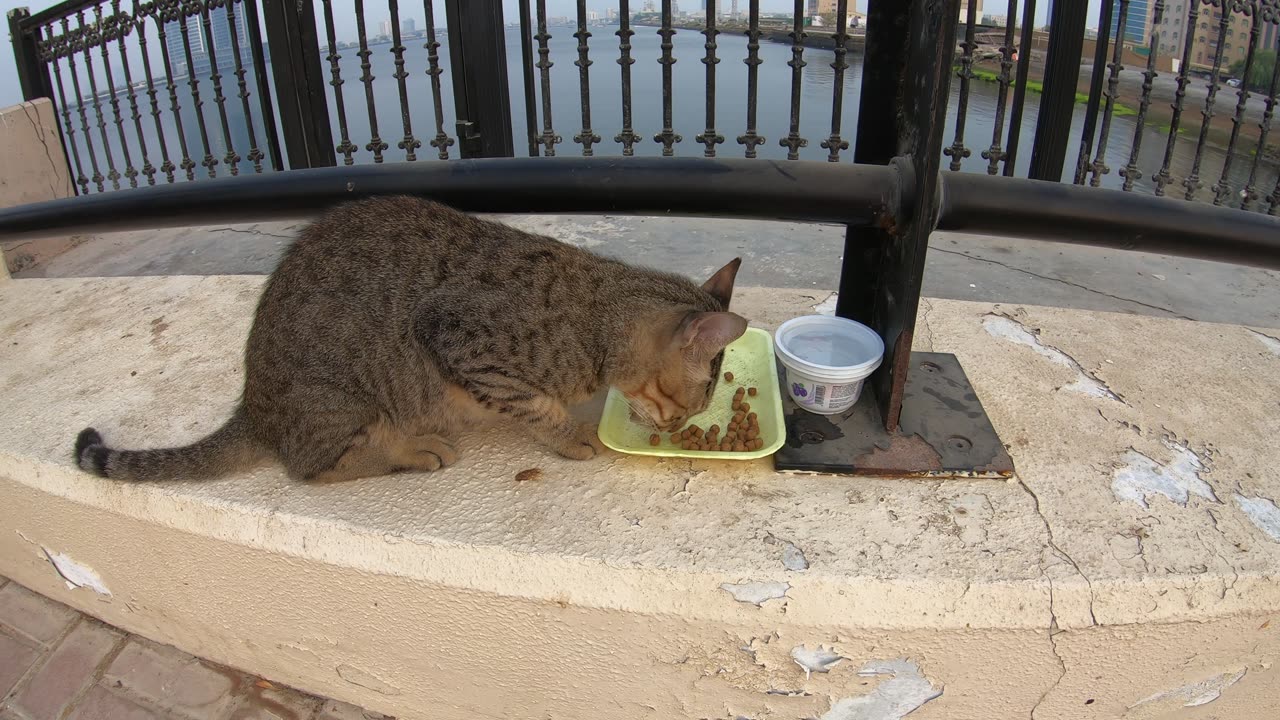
pixel 356 676
pixel 1197 693
pixel 1270 343
pixel 816 660
pixel 76 575
pixel 895 698
pixel 793 558
pixel 1140 477
pixel 827 306
pixel 1263 513
pixel 756 593
pixel 1086 383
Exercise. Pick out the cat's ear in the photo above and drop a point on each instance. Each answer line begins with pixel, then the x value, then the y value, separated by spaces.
pixel 720 285
pixel 706 333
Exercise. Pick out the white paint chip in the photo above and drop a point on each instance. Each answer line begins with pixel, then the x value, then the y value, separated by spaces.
pixel 1263 513
pixel 756 593
pixel 1140 477
pixel 901 694
pixel 76 575
pixel 818 660
pixel 793 558
pixel 999 326
pixel 1270 343
pixel 828 306
pixel 1197 693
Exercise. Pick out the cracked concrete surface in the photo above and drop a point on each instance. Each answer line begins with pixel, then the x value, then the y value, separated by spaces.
pixel 775 254
pixel 1044 594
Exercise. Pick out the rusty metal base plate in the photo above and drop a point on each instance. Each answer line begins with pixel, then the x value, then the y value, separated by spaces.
pixel 944 431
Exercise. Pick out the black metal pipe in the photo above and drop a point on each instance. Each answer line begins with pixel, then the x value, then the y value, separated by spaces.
pixel 1060 212
pixel 764 189
pixel 856 195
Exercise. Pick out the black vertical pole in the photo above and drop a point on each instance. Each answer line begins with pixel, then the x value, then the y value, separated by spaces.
pixel 299 74
pixel 1095 89
pixel 1020 85
pixel 884 269
pixel 1061 77
pixel 875 144
pixel 33 75
pixel 478 56
pixel 526 67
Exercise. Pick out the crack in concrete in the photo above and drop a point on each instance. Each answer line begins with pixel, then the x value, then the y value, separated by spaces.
pixel 1053 628
pixel 924 318
pixel 998 324
pixel 39 128
pixel 1086 288
pixel 1271 343
pixel 1053 647
pixel 249 232
pixel 1062 554
pixel 956 603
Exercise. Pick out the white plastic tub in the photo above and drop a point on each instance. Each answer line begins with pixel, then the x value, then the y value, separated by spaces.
pixel 826 360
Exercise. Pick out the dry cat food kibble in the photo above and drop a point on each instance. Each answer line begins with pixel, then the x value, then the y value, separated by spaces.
pixel 741 432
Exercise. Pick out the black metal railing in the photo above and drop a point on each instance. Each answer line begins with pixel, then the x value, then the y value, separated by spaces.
pixel 1155 115
pixel 86 56
pixel 311 67
pixel 1150 116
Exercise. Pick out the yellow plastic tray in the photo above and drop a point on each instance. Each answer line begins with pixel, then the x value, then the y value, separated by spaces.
pixel 750 359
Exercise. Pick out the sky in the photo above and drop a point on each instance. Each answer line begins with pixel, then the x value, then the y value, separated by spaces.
pixel 375 13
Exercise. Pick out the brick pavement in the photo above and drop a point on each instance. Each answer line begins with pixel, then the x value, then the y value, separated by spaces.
pixel 56 664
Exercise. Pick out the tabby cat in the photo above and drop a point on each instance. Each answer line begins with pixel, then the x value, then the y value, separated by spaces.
pixel 393 323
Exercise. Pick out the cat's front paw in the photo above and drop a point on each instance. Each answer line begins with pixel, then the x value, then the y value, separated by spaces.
pixel 583 445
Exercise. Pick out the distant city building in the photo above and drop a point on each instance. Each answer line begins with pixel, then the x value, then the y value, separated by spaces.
pixel 964 10
pixel 824 11
pixel 384 28
pixel 216 44
pixel 1137 21
pixel 408 25
pixel 1208 35
pixel 995 20
pixel 1172 30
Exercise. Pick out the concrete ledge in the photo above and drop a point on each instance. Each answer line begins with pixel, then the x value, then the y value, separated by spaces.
pixel 35 169
pixel 1135 555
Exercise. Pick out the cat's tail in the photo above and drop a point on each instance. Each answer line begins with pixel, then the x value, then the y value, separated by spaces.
pixel 229 448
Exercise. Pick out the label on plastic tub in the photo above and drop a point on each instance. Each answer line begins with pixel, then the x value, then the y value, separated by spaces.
pixel 824 396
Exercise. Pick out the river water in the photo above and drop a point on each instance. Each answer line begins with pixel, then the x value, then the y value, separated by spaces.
pixel 817 83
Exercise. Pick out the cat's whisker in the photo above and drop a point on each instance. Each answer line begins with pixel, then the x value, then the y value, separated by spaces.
pixel 640 413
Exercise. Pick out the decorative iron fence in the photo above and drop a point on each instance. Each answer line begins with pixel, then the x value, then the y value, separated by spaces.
pixel 1153 114
pixel 206 51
